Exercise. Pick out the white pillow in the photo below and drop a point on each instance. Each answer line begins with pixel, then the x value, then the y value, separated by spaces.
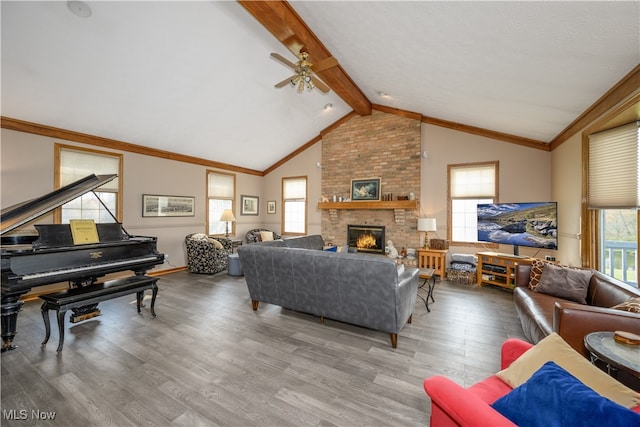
pixel 554 348
pixel 265 236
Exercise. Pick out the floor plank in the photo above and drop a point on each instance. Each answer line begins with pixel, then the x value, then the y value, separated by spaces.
pixel 208 359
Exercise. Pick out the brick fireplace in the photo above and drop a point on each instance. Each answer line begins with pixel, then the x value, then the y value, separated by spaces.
pixel 380 145
pixel 367 238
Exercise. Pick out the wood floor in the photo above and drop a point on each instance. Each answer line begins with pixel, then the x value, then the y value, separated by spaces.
pixel 207 359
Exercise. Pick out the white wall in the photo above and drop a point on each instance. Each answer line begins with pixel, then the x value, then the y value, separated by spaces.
pixel 304 164
pixel 27 171
pixel 525 176
pixel 566 175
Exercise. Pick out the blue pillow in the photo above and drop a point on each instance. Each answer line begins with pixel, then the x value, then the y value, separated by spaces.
pixel 554 397
pixel 332 249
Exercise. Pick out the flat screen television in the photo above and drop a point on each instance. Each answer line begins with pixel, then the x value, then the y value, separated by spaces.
pixel 533 225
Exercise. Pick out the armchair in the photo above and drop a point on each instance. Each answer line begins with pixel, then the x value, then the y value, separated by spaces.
pixel 207 255
pixel 453 405
pixel 253 236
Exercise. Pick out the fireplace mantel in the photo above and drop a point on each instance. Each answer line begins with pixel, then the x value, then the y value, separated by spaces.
pixel 397 204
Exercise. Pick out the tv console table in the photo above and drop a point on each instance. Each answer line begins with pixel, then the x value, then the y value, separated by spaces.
pixel 499 269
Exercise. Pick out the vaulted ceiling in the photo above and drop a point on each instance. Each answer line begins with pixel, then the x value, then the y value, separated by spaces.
pixel 196 78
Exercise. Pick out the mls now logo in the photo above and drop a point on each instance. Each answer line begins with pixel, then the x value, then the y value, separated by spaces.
pixel 24 414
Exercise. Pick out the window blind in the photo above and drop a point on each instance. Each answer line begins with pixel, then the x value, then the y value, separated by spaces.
pixel 295 189
pixel 476 181
pixel 614 162
pixel 221 185
pixel 75 165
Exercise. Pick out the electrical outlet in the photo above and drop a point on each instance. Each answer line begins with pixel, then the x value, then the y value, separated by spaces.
pixel 166 258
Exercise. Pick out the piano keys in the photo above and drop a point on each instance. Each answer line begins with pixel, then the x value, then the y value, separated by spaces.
pixel 52 257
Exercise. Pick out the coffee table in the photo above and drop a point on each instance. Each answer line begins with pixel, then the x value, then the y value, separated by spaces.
pixel 615 356
pixel 427 275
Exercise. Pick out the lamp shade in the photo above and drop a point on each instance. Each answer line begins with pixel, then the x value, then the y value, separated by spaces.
pixel 427 224
pixel 227 215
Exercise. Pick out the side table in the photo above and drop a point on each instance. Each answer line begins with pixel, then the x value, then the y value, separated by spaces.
pixel 427 275
pixel 621 361
pixel 235 244
pixel 433 258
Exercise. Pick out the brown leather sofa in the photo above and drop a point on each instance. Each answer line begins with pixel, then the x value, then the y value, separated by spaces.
pixel 542 314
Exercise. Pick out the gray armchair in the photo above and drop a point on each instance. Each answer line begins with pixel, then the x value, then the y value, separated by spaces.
pixel 207 255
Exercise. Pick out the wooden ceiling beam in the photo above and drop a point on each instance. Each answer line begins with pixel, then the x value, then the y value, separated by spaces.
pixel 279 18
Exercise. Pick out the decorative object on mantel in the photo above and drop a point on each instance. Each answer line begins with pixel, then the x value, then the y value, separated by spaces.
pixel 393 252
pixel 227 217
pixel 426 225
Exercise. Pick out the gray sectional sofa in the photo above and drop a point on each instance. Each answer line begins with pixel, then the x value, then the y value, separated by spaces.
pixel 361 289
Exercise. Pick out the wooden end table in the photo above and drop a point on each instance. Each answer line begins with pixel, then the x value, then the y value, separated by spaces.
pixel 433 258
pixel 428 277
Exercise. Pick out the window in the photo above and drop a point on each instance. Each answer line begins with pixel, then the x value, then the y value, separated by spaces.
pixel 74 163
pixel 294 202
pixel 221 190
pixel 613 199
pixel 469 184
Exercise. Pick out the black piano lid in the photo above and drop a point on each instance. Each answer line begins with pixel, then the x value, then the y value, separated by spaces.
pixel 14 216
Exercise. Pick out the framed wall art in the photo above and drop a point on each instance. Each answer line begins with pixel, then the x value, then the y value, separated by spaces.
pixel 365 189
pixel 156 205
pixel 249 205
pixel 271 207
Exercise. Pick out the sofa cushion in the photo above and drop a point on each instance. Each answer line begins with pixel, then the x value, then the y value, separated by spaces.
pixel 552 396
pixel 632 305
pixel 565 282
pixel 554 348
pixel 537 266
pixel 266 236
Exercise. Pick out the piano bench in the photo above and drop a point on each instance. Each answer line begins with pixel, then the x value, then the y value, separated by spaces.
pixel 92 294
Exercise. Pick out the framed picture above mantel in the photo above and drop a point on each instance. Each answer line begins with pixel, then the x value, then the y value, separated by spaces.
pixel 365 189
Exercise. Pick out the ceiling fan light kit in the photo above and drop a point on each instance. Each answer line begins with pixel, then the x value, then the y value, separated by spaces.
pixel 304 72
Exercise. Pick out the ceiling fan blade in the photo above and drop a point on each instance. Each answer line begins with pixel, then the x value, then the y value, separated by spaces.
pixel 283 60
pixel 320 85
pixel 324 64
pixel 285 82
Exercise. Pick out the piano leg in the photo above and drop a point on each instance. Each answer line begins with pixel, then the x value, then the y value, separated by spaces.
pixel 47 325
pixel 11 306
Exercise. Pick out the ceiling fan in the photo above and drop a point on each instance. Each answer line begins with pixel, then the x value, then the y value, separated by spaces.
pixel 304 71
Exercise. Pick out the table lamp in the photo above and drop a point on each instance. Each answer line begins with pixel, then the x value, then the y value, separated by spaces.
pixel 426 225
pixel 227 216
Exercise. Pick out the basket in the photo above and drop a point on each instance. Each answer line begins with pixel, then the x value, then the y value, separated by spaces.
pixel 461 276
pixel 438 244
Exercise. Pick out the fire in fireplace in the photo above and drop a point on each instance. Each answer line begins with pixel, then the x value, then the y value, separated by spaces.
pixel 367 238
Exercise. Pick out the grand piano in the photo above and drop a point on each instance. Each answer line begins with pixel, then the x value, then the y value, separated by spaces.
pixel 51 256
